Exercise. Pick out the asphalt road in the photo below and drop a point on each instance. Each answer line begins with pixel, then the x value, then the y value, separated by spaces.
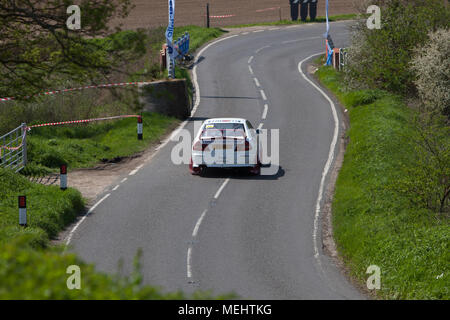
pixel 229 232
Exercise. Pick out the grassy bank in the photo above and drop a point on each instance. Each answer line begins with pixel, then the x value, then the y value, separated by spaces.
pixel 87 145
pixel 289 22
pixel 373 223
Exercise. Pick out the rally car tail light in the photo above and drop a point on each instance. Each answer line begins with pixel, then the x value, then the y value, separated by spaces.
pixel 198 146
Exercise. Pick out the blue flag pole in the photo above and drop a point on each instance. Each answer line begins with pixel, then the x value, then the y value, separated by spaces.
pixel 169 40
pixel 329 51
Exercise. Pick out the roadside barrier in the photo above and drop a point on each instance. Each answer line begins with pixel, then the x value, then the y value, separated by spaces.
pixel 13 149
pixel 15 156
pixel 224 16
pixel 79 121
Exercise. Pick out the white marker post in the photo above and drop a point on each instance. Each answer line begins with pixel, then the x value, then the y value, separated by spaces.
pixel 63 177
pixel 140 128
pixel 23 211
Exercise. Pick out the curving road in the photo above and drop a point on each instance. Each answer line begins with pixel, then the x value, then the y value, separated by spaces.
pixel 227 232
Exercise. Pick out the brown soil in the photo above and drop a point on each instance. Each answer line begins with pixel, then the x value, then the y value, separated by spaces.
pixel 152 13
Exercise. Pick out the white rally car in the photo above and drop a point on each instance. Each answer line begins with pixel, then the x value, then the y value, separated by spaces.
pixel 226 143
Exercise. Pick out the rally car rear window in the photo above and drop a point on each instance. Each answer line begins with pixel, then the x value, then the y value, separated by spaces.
pixel 223 130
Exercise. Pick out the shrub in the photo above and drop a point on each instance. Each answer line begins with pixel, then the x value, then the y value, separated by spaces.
pixel 432 66
pixel 381 58
pixel 426 183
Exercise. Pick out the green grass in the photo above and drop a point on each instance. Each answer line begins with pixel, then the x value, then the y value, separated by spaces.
pixel 198 35
pixel 86 145
pixel 373 225
pixel 49 209
pixel 289 22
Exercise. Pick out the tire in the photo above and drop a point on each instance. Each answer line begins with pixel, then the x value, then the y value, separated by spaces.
pixel 256 170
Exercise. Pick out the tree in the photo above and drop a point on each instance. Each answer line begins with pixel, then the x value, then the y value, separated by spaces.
pixel 426 180
pixel 38 50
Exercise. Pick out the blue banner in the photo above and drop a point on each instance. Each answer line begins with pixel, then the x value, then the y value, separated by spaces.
pixel 169 37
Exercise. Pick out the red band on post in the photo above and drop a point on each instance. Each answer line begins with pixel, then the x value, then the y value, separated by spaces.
pixel 22 202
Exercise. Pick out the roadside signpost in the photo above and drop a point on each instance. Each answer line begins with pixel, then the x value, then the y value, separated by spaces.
pixel 23 211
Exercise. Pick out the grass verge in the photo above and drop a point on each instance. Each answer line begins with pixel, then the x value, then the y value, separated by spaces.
pixel 373 224
pixel 86 145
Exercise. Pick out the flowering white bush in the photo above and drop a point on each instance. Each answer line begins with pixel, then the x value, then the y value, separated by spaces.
pixel 432 67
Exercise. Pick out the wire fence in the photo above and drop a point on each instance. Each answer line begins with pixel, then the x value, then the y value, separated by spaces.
pixel 13 149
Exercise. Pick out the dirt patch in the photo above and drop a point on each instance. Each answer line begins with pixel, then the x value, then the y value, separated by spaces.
pixel 150 14
pixel 94 181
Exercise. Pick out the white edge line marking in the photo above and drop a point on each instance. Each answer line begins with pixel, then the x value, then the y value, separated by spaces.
pixel 132 173
pixel 263 94
pixel 257 82
pixel 250 69
pixel 224 184
pixel 329 161
pixel 84 217
pixel 250 59
pixel 266 108
pixel 258 31
pixel 199 222
pixel 274 29
pixel 244 33
pixel 188 262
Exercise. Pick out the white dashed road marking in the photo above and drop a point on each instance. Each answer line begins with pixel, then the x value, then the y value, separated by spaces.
pixel 224 184
pixel 298 40
pixel 260 49
pixel 257 82
pixel 266 108
pixel 263 94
